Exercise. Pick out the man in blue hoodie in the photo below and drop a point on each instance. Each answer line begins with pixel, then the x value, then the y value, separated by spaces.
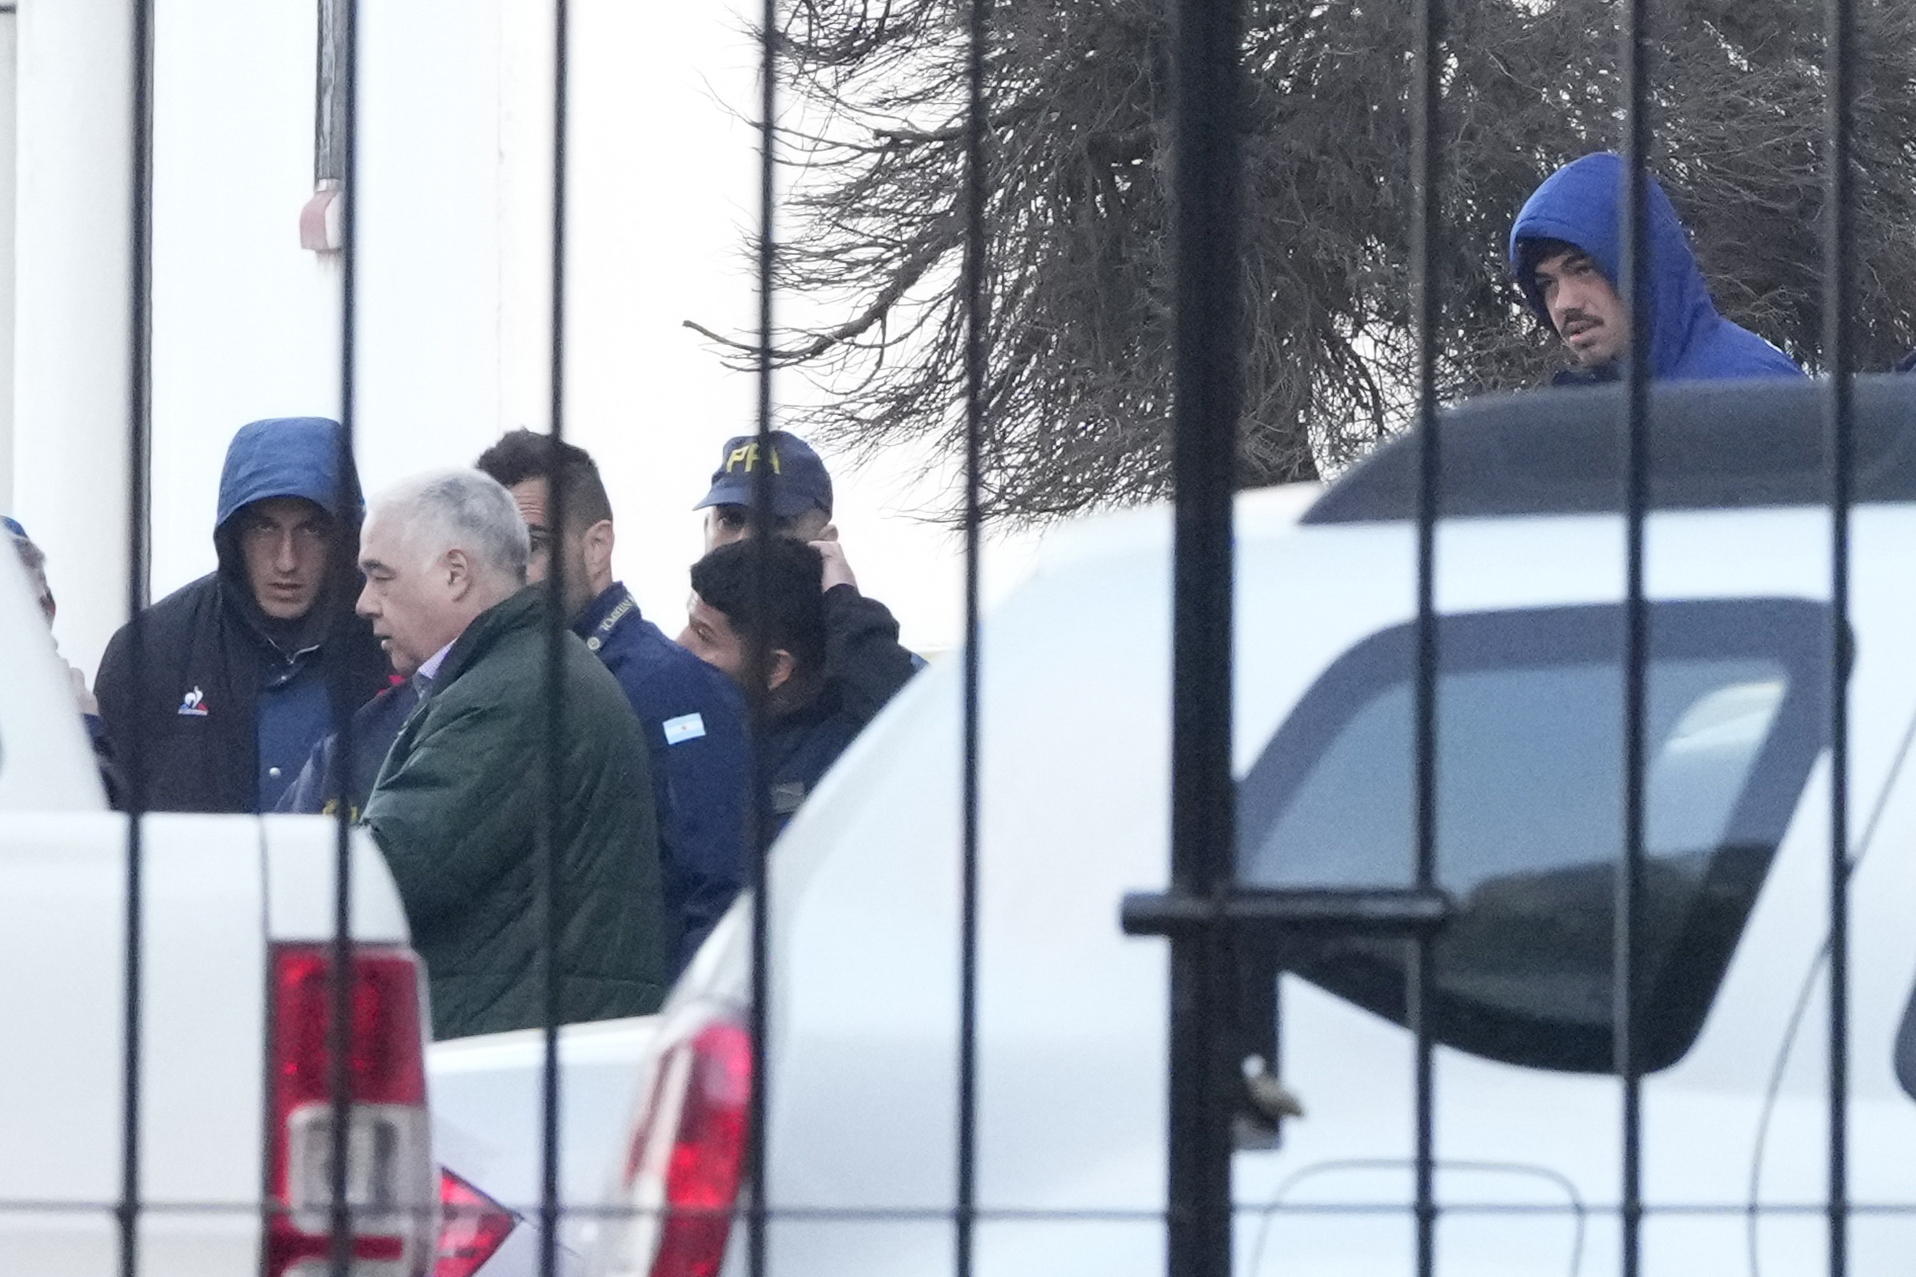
pixel 243 671
pixel 1566 251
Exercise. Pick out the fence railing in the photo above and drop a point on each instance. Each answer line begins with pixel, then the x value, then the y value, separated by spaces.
pixel 1208 920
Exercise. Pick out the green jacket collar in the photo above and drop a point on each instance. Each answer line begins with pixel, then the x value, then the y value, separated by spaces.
pixel 523 611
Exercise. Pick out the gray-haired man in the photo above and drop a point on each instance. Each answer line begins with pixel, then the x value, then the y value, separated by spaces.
pixel 460 802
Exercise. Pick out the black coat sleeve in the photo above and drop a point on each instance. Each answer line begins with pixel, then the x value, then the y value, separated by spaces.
pixel 863 657
pixel 112 686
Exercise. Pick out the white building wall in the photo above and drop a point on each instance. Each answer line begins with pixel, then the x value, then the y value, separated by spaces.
pixel 245 322
pixel 9 46
pixel 71 343
pixel 430 159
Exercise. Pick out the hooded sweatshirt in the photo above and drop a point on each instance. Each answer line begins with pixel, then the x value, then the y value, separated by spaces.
pixel 231 701
pixel 1579 204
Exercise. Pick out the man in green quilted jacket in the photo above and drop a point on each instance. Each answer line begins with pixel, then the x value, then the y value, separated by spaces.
pixel 459 807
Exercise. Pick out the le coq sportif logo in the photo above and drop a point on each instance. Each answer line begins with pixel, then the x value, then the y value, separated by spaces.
pixel 193 704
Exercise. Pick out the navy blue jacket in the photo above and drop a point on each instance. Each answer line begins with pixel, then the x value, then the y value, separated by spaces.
pixel 375 727
pixel 694 724
pixel 1689 340
pixel 231 701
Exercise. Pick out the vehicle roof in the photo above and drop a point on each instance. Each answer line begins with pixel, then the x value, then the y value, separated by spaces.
pixel 1712 445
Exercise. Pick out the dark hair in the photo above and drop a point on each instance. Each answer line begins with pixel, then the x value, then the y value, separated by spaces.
pixel 794 616
pixel 521 454
pixel 1532 253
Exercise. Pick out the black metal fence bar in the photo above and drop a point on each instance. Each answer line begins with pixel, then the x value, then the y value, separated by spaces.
pixel 339 1045
pixel 1629 899
pixel 977 336
pixel 1426 163
pixel 139 417
pixel 555 680
pixel 1838 293
pixel 758 657
pixel 1206 396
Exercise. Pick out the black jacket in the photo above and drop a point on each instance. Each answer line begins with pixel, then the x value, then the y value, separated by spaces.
pixel 864 668
pixel 864 660
pixel 375 728
pixel 188 734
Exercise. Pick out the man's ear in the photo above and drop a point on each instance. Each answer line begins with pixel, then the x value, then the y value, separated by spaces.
pixel 782 667
pixel 458 573
pixel 597 548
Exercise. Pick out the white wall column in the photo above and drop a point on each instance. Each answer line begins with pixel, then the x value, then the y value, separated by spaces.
pixel 9 30
pixel 72 302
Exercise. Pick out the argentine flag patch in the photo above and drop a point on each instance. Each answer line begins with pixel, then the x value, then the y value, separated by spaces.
pixel 683 728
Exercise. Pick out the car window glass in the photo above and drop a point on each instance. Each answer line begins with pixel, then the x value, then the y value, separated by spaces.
pixel 1530 810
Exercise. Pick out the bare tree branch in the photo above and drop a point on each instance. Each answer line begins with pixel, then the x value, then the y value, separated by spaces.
pixel 1078 275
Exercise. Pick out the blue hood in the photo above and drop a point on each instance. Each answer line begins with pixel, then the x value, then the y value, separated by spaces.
pixel 287 457
pixel 1580 204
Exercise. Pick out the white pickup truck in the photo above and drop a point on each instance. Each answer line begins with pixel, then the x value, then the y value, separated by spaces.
pixel 233 994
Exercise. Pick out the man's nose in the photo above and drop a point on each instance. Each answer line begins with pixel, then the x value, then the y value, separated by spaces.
pixel 364 603
pixel 284 560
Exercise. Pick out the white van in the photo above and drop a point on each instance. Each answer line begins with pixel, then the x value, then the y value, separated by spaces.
pixel 1072 1022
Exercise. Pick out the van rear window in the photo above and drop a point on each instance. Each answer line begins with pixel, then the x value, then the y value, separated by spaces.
pixel 1530 812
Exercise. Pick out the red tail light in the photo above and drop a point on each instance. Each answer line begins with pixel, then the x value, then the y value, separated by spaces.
pixel 473 1227
pixel 388 1159
pixel 688 1154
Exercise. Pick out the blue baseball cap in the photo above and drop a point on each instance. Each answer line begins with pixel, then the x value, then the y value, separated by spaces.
pixel 13 525
pixel 798 478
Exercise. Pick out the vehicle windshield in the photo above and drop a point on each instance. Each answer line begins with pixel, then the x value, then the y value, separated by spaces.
pixel 1530 812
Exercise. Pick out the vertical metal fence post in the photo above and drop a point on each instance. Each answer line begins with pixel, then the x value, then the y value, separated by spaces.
pixel 1206 402
pixel 1838 280
pixel 976 337
pixel 139 431
pixel 339 1036
pixel 551 828
pixel 1425 108
pixel 1629 886
pixel 758 656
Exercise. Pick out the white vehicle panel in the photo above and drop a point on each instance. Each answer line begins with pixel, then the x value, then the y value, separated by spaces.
pixel 488 1122
pixel 302 857
pixel 202 1063
pixel 1071 1030
pixel 46 763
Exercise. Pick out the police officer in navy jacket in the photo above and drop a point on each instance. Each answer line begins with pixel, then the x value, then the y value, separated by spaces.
pixel 864 661
pixel 693 716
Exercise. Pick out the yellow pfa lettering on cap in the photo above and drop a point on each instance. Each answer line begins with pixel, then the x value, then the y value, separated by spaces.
pixel 746 456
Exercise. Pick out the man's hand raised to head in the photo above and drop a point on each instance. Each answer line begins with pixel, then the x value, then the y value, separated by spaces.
pixel 81 696
pixel 838 571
